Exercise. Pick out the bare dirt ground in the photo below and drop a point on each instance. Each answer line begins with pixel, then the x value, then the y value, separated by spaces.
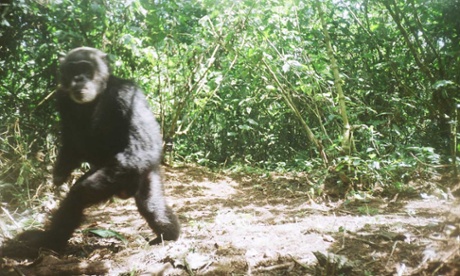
pixel 262 225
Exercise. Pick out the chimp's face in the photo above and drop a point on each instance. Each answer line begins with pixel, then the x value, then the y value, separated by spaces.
pixel 84 74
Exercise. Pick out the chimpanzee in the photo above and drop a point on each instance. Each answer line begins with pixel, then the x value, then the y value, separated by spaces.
pixel 106 122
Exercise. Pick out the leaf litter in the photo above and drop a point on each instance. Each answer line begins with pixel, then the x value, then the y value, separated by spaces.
pixel 236 224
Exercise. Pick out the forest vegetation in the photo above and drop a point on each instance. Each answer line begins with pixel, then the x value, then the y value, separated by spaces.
pixel 355 93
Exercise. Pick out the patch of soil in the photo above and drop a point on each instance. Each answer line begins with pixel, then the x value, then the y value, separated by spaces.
pixel 265 225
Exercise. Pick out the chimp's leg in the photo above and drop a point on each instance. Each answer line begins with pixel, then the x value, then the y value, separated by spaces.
pixel 94 187
pixel 152 206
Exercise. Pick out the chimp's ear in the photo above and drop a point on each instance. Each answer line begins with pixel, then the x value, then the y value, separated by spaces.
pixel 61 57
pixel 104 57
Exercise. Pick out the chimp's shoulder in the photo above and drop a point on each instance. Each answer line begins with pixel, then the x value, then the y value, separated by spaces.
pixel 123 91
pixel 119 83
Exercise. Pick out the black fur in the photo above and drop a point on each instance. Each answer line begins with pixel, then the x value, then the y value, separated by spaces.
pixel 118 135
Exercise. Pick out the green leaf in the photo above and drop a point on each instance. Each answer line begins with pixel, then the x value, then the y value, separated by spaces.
pixel 252 122
pixel 443 83
pixel 106 233
pixel 244 127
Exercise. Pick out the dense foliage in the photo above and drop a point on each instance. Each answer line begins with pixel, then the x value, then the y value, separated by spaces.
pixel 362 89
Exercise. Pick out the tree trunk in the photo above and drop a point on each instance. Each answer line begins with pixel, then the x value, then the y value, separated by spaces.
pixel 347 136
